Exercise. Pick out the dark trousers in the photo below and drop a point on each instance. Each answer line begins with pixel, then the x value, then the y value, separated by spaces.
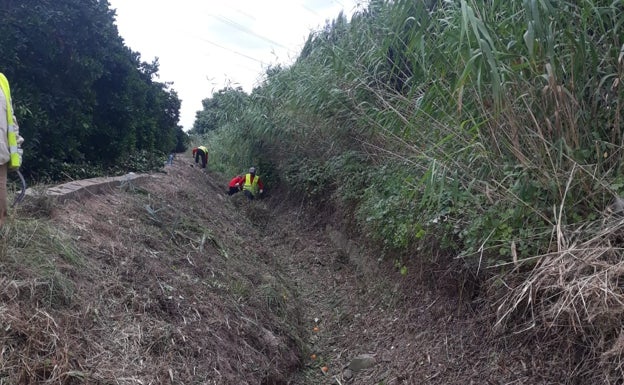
pixel 233 190
pixel 200 154
pixel 249 195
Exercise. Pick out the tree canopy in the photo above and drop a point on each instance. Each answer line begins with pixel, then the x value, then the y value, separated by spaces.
pixel 82 97
pixel 218 109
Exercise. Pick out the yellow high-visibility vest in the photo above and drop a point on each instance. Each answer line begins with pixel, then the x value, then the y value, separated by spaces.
pixel 251 185
pixel 15 160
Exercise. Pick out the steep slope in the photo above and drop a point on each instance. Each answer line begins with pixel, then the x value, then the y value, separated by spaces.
pixel 172 281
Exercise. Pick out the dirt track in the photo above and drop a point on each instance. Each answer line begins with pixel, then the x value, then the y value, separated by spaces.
pixel 183 284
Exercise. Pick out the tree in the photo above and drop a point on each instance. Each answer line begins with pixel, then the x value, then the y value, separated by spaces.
pixel 222 107
pixel 81 96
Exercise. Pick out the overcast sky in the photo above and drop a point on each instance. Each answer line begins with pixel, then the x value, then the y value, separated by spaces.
pixel 204 46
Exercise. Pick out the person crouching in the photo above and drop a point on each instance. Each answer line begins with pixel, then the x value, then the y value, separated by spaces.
pixel 235 185
pixel 252 186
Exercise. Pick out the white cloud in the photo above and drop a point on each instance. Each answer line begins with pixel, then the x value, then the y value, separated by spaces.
pixel 203 46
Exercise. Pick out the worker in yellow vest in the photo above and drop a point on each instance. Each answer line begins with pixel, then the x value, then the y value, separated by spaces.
pixel 201 152
pixel 10 144
pixel 252 184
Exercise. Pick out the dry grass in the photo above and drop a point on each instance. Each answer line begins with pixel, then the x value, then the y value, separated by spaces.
pixel 572 302
pixel 137 286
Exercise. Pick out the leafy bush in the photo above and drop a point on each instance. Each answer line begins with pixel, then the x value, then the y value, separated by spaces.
pixel 140 162
pixel 387 210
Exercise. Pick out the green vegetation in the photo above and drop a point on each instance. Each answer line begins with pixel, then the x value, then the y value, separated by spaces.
pixel 490 133
pixel 450 118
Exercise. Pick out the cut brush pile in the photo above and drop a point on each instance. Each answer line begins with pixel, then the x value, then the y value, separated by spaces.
pixel 571 303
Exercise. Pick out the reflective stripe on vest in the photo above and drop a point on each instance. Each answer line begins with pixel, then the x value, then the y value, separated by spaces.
pixel 15 160
pixel 251 185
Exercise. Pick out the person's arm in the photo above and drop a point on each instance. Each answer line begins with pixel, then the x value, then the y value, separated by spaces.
pixel 260 185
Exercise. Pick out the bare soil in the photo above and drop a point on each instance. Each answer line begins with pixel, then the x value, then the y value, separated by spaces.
pixel 174 282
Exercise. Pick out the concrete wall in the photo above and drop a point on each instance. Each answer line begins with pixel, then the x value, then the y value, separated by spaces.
pixel 80 188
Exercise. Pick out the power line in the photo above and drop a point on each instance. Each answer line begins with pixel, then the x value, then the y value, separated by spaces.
pixel 310 10
pixel 231 50
pixel 242 28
